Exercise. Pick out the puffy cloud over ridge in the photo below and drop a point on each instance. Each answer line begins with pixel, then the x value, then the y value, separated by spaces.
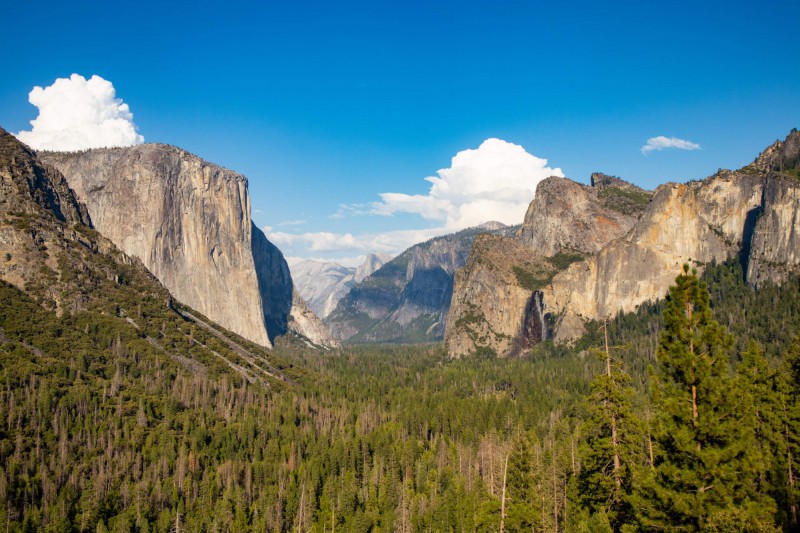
pixel 76 113
pixel 664 143
pixel 324 242
pixel 496 181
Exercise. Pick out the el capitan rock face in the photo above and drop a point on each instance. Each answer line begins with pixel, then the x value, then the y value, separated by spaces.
pixel 186 219
pixel 189 222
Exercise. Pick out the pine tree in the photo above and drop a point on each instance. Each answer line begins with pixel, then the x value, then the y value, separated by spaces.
pixel 608 453
pixel 518 509
pixel 787 460
pixel 759 386
pixel 702 477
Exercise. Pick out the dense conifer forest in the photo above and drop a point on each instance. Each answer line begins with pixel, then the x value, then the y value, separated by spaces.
pixel 682 416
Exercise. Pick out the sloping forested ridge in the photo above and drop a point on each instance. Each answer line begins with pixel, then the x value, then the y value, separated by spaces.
pixel 101 430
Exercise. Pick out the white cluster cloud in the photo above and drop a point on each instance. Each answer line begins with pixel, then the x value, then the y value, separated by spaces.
pixel 496 181
pixel 324 242
pixel 76 113
pixel 664 143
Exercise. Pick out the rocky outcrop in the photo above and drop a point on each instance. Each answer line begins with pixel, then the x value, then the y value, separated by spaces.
pixel 323 283
pixel 774 250
pixel 371 263
pixel 567 217
pixel 38 212
pixel 752 214
pixel 29 186
pixel 407 299
pixel 303 321
pixel 692 223
pixel 496 301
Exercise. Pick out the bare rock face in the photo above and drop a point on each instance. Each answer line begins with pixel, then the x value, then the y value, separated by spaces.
pixel 302 320
pixel 407 299
pixel 275 285
pixel 186 219
pixel 752 214
pixel 323 284
pixel 694 223
pixel 567 217
pixel 496 302
pixel 371 263
pixel 774 250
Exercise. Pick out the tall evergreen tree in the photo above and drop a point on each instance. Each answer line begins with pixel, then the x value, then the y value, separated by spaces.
pixel 702 477
pixel 519 514
pixel 761 386
pixel 788 459
pixel 608 453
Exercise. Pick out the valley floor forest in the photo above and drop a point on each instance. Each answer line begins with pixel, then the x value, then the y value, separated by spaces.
pixel 683 416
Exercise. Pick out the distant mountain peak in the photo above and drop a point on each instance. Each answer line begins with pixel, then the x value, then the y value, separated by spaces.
pixel 780 156
pixel 492 225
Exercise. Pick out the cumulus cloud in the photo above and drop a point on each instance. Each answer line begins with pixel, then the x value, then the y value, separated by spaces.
pixel 496 181
pixel 665 143
pixel 327 242
pixel 76 113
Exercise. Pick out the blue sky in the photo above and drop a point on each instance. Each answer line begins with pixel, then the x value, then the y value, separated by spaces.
pixel 323 104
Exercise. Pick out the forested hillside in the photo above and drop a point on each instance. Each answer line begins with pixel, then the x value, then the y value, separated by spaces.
pixel 102 431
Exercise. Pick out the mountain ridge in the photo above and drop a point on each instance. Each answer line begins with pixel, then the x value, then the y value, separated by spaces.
pixel 407 299
pixel 751 213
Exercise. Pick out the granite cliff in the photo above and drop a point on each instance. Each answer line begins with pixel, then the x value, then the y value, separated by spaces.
pixel 323 283
pixel 407 299
pixel 497 302
pixel 90 295
pixel 633 245
pixel 189 222
pixel 568 217
pixel 498 299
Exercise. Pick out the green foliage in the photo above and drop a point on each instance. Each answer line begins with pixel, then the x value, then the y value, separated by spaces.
pixel 703 436
pixel 562 260
pixel 122 414
pixel 636 197
pixel 611 450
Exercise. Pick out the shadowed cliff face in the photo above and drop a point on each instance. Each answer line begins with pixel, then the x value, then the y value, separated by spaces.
pixel 274 283
pixel 27 182
pixel 408 298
